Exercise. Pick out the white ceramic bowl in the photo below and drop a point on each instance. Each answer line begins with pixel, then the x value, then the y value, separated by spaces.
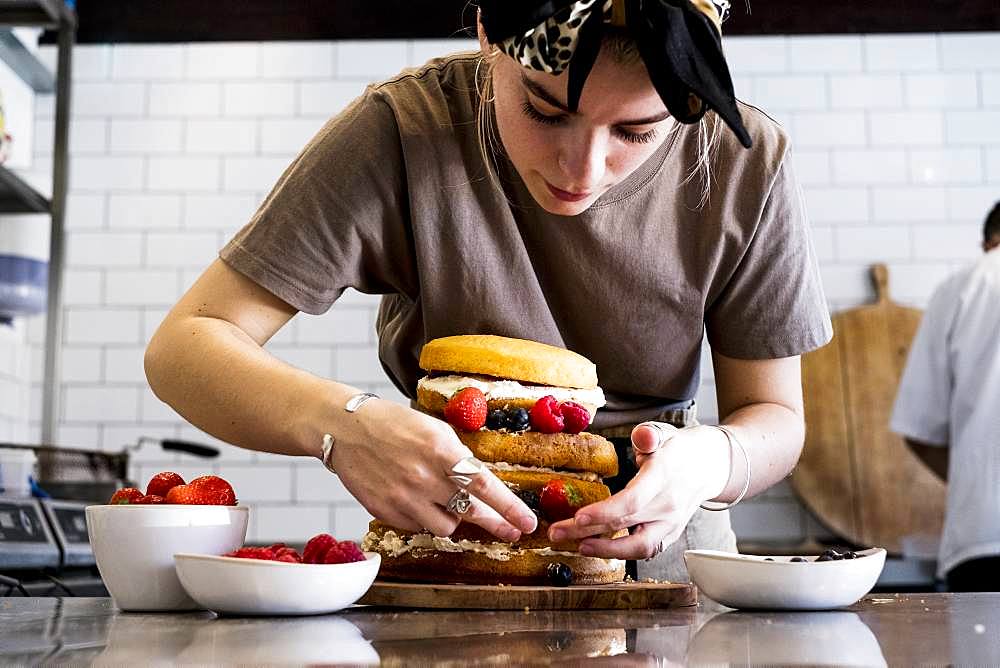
pixel 134 546
pixel 753 582
pixel 258 587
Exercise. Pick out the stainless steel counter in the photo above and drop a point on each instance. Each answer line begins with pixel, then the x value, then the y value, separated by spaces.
pixel 882 629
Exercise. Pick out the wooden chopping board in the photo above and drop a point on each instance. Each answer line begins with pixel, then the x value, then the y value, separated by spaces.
pixel 859 478
pixel 623 596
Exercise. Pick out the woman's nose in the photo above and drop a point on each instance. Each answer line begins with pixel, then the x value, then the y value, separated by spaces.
pixel 583 161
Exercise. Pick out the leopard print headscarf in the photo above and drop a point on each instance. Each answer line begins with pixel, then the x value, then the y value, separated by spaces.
pixel 679 41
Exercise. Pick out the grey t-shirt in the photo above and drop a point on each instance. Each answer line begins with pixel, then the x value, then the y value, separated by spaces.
pixel 392 197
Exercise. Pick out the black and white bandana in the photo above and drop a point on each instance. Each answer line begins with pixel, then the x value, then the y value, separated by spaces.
pixel 679 41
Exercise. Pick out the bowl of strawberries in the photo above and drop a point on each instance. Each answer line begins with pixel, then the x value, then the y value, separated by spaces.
pixel 137 533
pixel 327 576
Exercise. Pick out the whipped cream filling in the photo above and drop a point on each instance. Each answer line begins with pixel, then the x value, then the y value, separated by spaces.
pixel 579 475
pixel 393 545
pixel 499 390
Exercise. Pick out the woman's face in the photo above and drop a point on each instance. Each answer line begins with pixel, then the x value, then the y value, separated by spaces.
pixel 569 159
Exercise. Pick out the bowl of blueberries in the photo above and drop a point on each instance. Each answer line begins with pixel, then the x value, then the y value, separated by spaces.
pixel 832 579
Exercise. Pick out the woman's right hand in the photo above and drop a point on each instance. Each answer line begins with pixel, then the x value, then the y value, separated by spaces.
pixel 396 461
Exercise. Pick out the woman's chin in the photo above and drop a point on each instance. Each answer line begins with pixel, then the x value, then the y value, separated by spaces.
pixel 560 207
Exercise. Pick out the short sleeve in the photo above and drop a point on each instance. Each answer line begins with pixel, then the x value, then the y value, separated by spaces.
pixel 336 218
pixel 923 400
pixel 772 304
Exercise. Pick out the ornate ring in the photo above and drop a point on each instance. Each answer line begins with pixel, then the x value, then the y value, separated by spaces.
pixel 464 470
pixel 460 502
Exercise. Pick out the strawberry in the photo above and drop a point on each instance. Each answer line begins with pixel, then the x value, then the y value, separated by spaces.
pixel 575 416
pixel 125 496
pixel 316 548
pixel 343 552
pixel 150 499
pixel 161 483
pixel 207 490
pixel 466 410
pixel 545 416
pixel 559 499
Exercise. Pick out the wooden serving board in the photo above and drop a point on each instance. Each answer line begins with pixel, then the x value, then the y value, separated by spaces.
pixel 860 479
pixel 622 596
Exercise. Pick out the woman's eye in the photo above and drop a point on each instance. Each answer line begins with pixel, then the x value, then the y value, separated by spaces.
pixel 636 137
pixel 538 116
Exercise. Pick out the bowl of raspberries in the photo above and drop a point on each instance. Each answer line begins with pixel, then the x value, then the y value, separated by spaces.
pixel 328 575
pixel 137 533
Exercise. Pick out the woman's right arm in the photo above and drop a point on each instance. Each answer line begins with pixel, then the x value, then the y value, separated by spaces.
pixel 206 361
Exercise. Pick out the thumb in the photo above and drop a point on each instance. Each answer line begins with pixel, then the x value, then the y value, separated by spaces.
pixel 648 437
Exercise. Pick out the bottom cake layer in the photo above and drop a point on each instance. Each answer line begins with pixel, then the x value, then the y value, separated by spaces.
pixel 426 558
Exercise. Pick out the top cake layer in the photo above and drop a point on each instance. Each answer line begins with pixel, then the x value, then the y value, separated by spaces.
pixel 503 357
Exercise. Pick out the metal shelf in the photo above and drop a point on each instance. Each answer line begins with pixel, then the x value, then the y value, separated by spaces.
pixel 17 196
pixel 44 13
pixel 25 64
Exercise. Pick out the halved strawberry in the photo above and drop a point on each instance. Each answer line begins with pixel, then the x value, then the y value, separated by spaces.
pixel 466 410
pixel 559 499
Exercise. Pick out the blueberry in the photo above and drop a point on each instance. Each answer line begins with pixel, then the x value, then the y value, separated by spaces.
pixel 494 419
pixel 850 555
pixel 516 419
pixel 560 575
pixel 797 559
pixel 530 499
pixel 768 559
pixel 826 557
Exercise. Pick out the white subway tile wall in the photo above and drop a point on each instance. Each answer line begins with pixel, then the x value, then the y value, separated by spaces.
pixel 896 142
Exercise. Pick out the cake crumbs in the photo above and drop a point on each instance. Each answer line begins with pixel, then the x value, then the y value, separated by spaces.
pixel 527 610
pixel 876 601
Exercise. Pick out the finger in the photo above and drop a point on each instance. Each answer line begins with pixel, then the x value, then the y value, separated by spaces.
pixel 642 543
pixel 650 436
pixel 491 491
pixel 626 508
pixel 487 518
pixel 435 519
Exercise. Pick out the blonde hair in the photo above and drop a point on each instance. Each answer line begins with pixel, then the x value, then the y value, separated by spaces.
pixel 623 49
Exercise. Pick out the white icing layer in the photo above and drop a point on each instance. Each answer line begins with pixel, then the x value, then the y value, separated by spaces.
pixel 499 390
pixel 392 545
pixel 580 475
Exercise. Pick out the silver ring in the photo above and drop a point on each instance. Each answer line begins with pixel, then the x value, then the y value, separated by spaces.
pixel 460 502
pixel 657 550
pixel 464 470
pixel 661 436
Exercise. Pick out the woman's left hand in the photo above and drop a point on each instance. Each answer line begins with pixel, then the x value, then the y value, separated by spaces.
pixel 678 469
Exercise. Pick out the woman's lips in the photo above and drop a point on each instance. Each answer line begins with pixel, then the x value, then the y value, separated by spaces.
pixel 565 195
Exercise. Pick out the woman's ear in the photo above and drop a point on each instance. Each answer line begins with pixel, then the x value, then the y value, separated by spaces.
pixel 484 43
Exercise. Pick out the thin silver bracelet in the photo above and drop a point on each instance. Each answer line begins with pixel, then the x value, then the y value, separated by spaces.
pixel 733 444
pixel 352 406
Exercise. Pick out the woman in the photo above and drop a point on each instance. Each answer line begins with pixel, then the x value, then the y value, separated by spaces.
pixel 602 207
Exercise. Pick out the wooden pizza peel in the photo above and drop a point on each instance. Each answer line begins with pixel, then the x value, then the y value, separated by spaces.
pixel 858 478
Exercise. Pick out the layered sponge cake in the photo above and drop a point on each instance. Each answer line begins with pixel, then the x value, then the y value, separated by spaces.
pixel 522 408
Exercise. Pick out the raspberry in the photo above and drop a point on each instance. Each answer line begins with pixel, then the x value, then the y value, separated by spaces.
pixel 288 559
pixel 343 552
pixel 545 416
pixel 317 547
pixel 576 417
pixel 287 554
pixel 263 553
pixel 467 409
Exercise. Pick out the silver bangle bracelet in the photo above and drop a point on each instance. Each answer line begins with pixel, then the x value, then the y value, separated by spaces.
pixel 352 406
pixel 733 444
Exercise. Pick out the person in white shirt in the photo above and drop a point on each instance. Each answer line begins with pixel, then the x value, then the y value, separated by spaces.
pixel 948 410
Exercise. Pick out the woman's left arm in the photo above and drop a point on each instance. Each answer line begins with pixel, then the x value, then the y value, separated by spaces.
pixel 760 402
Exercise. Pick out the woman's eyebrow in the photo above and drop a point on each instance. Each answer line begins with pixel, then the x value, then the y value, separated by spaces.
pixel 540 92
